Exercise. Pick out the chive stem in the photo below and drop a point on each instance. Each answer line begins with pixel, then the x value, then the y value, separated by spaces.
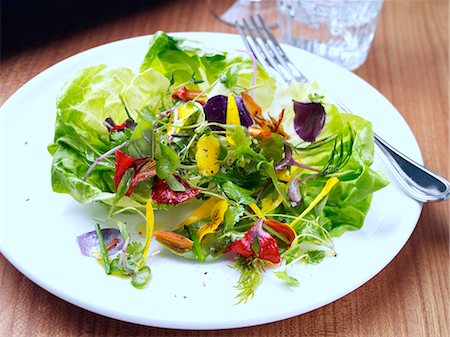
pixel 105 256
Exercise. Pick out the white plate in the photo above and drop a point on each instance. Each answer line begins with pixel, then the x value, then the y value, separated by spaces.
pixel 38 227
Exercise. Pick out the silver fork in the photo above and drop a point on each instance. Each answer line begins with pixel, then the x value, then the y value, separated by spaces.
pixel 416 180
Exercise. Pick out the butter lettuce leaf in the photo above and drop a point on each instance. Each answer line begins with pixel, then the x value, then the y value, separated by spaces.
pixel 349 201
pixel 81 137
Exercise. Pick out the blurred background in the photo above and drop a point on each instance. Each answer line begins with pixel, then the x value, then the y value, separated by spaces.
pixel 29 23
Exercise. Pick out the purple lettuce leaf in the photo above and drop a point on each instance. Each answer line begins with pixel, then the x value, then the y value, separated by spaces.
pixel 89 244
pixel 309 120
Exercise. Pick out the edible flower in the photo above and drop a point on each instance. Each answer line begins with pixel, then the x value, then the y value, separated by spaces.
pixel 294 192
pixel 89 242
pixel 162 194
pixel 149 227
pixel 217 215
pixel 123 163
pixel 187 95
pixel 180 117
pixel 201 212
pixel 216 111
pixel 232 117
pixel 112 126
pixel 207 155
pixel 284 230
pixel 271 125
pixel 309 120
pixel 257 211
pixel 325 191
pixel 174 241
pixel 268 246
pixel 144 168
pixel 270 202
pixel 258 132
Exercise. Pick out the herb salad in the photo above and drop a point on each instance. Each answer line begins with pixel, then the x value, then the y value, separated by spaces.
pixel 278 171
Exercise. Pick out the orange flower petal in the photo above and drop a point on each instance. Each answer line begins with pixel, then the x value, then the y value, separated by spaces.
pixel 176 242
pixel 284 230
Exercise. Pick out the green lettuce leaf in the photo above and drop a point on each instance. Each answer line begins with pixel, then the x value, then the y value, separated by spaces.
pixel 198 66
pixel 183 60
pixel 349 201
pixel 81 136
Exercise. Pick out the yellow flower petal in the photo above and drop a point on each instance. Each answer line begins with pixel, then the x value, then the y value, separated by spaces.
pixel 217 214
pixel 232 116
pixel 284 175
pixel 207 156
pixel 182 116
pixel 268 203
pixel 201 212
pixel 326 189
pixel 149 226
pixel 257 211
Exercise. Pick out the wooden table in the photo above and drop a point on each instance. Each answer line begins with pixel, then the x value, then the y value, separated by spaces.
pixel 408 63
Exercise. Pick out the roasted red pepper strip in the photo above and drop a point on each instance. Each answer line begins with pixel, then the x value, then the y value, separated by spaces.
pixel 162 194
pixel 268 246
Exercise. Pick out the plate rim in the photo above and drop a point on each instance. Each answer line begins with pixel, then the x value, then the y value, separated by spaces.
pixel 22 91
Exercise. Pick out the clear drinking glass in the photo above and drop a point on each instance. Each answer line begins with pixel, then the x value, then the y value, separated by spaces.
pixel 339 30
pixel 230 11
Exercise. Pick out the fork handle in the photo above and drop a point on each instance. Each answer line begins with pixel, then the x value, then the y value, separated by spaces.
pixel 415 179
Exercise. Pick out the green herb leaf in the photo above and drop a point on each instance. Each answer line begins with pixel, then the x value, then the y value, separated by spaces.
pixel 167 161
pixel 290 280
pixel 196 248
pixel 148 115
pixel 230 77
pixel 232 216
pixel 314 256
pixel 142 141
pixel 340 154
pixel 251 276
pixel 272 148
pixel 141 277
pixel 174 184
pixel 123 187
pixel 135 253
pixel 238 194
pixel 105 256
pixel 195 80
pixel 119 137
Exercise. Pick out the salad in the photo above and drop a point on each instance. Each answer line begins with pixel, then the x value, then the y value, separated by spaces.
pixel 271 172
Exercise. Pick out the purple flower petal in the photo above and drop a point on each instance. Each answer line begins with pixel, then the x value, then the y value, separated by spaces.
pixel 244 116
pixel 89 245
pixel 216 111
pixel 309 120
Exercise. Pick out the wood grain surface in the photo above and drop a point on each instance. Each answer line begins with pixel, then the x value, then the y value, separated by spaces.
pixel 408 63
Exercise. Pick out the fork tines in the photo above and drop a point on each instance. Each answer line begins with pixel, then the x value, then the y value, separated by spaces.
pixel 267 50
